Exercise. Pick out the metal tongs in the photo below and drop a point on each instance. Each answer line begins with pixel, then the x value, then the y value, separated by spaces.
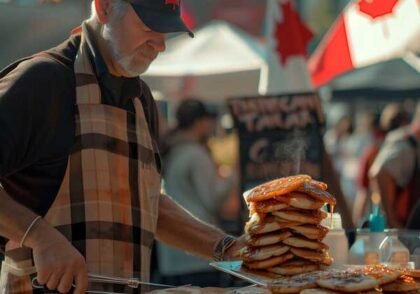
pixel 95 278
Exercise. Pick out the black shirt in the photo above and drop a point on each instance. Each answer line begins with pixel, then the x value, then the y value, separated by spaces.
pixel 37 126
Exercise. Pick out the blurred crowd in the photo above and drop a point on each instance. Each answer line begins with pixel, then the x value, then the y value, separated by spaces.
pixel 364 146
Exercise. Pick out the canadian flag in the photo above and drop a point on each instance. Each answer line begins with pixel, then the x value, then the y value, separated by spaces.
pixel 287 39
pixel 367 32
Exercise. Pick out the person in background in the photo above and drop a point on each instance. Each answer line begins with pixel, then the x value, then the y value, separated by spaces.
pixel 338 144
pixel 392 117
pixel 80 183
pixel 336 140
pixel 395 173
pixel 191 177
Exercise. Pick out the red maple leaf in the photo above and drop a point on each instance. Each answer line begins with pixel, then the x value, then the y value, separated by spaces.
pixel 377 8
pixel 292 35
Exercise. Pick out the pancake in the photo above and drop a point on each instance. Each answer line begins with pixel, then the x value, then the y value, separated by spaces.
pixel 327 260
pixel 317 193
pixel 297 282
pixel 320 185
pixel 305 243
pixel 325 291
pixel 311 255
pixel 270 224
pixel 305 217
pixel 316 275
pixel 318 291
pixel 315 232
pixel 257 217
pixel 402 284
pixel 268 239
pixel 276 188
pixel 269 262
pixel 260 273
pixel 260 253
pixel 253 289
pixel 301 201
pixel 294 267
pixel 414 273
pixel 294 284
pixel 267 206
pixel 348 282
pixel 383 274
pixel 292 288
pixel 183 290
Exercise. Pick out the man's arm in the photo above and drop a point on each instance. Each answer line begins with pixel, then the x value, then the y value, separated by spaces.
pixel 179 229
pixel 57 262
pixel 29 113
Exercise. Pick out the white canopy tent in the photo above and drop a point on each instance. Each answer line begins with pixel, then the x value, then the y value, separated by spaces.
pixel 221 61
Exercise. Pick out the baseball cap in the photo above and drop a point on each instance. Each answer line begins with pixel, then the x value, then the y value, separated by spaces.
pixel 163 16
pixel 191 110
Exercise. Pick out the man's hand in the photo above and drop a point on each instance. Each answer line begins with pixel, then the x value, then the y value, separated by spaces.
pixel 58 263
pixel 233 252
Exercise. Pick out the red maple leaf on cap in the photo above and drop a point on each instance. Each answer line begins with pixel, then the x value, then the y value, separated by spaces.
pixel 292 35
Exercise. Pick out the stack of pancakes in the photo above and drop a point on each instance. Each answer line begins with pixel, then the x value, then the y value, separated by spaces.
pixel 284 231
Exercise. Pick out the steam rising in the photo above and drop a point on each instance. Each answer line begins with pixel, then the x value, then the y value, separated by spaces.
pixel 291 151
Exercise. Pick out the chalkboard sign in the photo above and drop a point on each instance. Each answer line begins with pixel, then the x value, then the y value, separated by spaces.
pixel 278 136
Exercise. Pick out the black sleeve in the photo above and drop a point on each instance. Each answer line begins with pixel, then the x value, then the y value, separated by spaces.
pixel 29 98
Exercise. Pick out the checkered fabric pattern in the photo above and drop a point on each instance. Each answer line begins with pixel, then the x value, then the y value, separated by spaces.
pixel 108 202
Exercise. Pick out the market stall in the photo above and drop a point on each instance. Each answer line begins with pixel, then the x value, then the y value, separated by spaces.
pixel 220 62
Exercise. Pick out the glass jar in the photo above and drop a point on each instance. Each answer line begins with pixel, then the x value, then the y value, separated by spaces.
pixel 357 250
pixel 392 250
pixel 372 247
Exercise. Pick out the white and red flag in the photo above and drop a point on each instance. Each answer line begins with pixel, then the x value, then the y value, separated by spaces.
pixel 367 32
pixel 287 40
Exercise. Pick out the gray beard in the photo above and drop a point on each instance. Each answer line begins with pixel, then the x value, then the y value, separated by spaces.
pixel 123 61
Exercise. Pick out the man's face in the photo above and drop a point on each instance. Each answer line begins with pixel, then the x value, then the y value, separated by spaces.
pixel 132 44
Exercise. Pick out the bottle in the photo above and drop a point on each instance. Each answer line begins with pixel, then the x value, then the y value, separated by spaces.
pixel 376 236
pixel 336 239
pixel 392 250
pixel 357 250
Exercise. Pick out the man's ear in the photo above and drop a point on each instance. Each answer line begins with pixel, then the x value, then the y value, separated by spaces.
pixel 102 10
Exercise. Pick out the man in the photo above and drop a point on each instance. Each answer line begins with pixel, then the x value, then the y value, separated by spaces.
pixel 395 173
pixel 78 161
pixel 191 178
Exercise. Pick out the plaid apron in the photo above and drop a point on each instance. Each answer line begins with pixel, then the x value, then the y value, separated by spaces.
pixel 107 205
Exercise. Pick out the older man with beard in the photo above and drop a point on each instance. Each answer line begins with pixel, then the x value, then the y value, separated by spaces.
pixel 79 167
